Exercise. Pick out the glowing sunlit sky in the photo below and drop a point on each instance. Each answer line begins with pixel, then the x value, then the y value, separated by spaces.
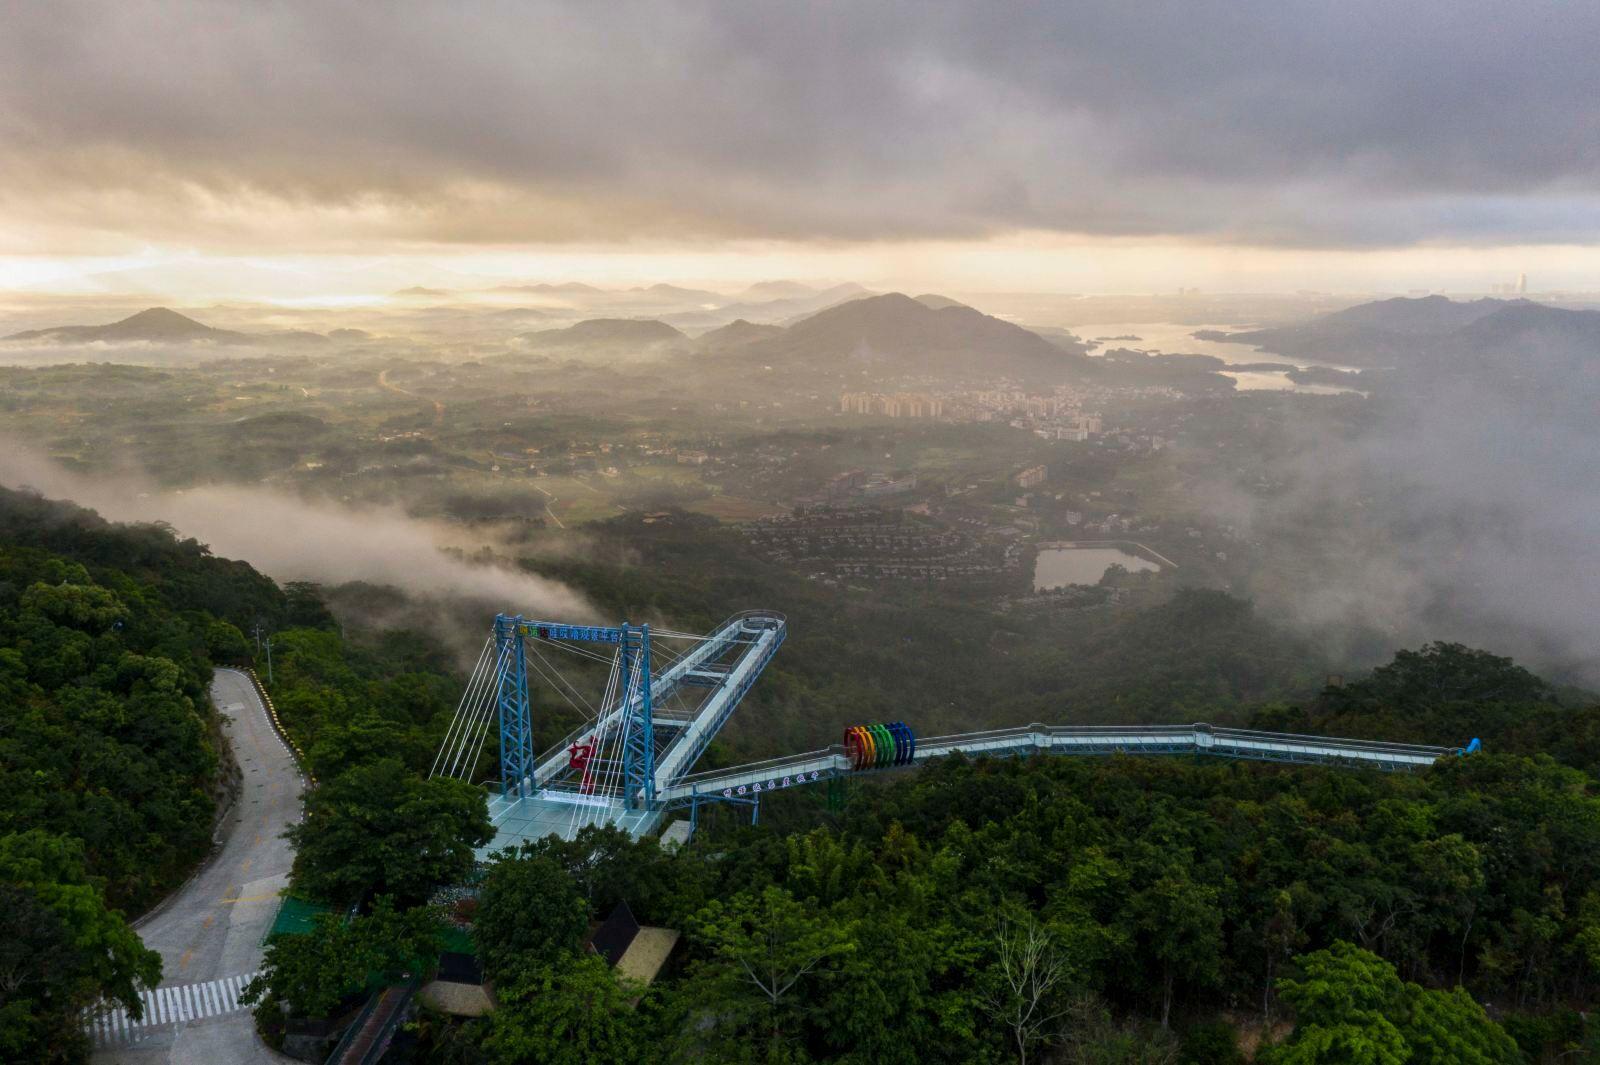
pixel 296 151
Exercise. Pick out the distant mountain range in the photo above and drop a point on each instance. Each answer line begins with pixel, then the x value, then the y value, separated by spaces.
pixel 894 333
pixel 156 325
pixel 736 334
pixel 1435 331
pixel 772 302
pixel 622 338
pixel 776 290
pixel 676 294
pixel 782 310
pixel 937 302
pixel 569 288
pixel 891 333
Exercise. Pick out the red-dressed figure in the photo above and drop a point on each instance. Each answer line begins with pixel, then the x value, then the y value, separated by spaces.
pixel 578 756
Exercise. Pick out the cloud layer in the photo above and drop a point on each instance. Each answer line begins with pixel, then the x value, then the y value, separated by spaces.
pixel 291 539
pixel 1253 121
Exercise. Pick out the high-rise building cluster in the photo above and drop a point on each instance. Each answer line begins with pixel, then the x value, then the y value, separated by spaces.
pixel 892 405
pixel 1033 475
pixel 1054 416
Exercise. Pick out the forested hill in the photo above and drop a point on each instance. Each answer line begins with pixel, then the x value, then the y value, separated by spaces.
pixel 109 744
pixel 182 574
pixel 1447 693
pixel 1183 906
pixel 1085 911
pixel 108 758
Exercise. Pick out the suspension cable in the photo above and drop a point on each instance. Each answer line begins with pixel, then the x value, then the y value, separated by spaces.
pixel 486 696
pixel 488 699
pixel 563 680
pixel 461 707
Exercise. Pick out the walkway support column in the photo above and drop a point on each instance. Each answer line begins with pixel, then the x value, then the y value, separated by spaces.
pixel 516 730
pixel 638 723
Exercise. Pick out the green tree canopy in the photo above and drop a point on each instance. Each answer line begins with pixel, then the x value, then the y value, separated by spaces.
pixel 767 944
pixel 529 915
pixel 1350 1006
pixel 566 1010
pixel 63 949
pixel 381 829
pixel 311 972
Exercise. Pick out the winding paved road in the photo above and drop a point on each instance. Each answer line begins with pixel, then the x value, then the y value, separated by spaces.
pixel 209 932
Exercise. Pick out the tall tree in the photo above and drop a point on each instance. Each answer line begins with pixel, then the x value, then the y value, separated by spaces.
pixel 380 829
pixel 770 943
pixel 529 915
pixel 1343 1009
pixel 1180 923
pixel 569 1010
pixel 64 949
pixel 1449 1028
pixel 311 972
pixel 1028 991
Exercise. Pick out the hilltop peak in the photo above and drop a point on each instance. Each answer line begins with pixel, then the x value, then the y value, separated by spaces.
pixel 158 323
pixel 152 323
pixel 164 316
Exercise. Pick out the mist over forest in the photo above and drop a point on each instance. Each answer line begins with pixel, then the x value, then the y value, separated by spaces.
pixel 897 533
pixel 1441 491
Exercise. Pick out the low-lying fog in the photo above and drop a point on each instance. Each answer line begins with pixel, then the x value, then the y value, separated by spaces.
pixel 292 539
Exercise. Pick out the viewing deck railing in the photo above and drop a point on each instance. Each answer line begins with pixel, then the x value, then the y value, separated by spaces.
pixel 813 766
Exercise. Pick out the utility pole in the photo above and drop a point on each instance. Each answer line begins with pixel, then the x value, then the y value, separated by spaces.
pixel 269 650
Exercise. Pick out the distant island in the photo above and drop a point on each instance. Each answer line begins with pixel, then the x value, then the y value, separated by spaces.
pixel 1323 375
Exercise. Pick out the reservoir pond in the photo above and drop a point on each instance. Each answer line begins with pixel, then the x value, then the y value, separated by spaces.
pixel 1058 567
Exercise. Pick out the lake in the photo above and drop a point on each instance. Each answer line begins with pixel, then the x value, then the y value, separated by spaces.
pixel 1061 566
pixel 1170 338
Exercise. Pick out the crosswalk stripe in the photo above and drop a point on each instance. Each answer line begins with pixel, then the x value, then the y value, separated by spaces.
pixel 164 1007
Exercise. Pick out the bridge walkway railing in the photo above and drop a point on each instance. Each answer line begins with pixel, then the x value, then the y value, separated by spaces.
pixel 744 627
pixel 814 766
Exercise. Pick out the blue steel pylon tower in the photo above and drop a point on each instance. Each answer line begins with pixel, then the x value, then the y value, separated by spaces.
pixel 516 730
pixel 638 722
pixel 637 707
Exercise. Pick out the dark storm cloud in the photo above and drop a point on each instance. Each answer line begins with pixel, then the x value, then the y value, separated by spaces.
pixel 1280 122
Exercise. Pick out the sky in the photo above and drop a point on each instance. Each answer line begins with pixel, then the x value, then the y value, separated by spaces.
pixel 1098 146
